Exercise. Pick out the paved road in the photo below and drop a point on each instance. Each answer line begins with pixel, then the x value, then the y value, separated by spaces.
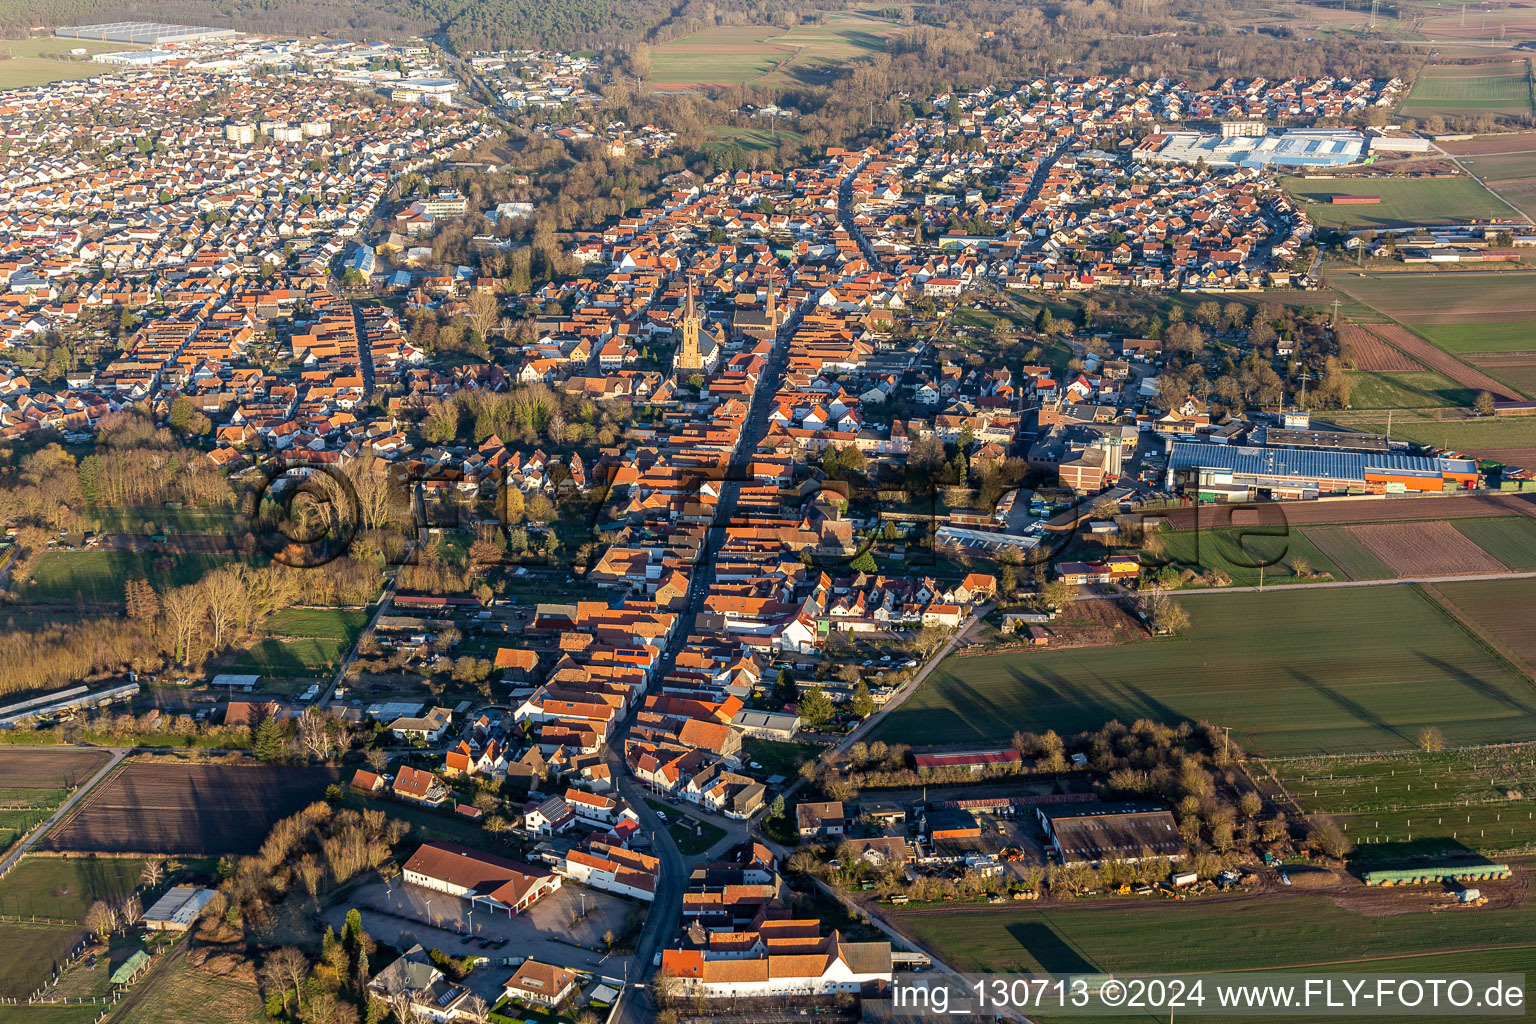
pixel 896 699
pixel 118 753
pixel 384 601
pixel 666 909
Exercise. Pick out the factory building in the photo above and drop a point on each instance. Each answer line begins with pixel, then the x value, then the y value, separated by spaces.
pixel 1219 472
pixel 1301 147
pixel 144 33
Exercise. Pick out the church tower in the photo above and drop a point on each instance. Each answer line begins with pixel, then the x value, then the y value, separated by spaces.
pixel 773 306
pixel 689 358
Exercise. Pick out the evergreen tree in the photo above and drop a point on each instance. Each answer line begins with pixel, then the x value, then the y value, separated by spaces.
pixel 815 707
pixel 861 703
pixel 268 742
pixel 785 688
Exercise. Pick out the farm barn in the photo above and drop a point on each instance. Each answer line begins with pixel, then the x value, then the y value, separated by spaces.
pixel 1091 833
pixel 1341 199
pixel 1217 472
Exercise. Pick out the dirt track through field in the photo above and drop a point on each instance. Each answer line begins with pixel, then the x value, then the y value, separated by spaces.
pixel 1416 347
pixel 1424 549
pixel 1370 353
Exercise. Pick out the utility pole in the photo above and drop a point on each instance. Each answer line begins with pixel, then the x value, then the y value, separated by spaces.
pixel 1335 322
pixel 1389 428
pixel 1304 376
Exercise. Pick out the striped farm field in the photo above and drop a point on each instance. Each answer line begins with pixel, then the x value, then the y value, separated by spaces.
pixel 1358 510
pixel 1368 351
pixel 1344 549
pixel 1497 336
pixel 1406 341
pixel 1294 671
pixel 1425 549
pixel 1512 541
pixel 1499 610
pixel 1446 298
pixel 1493 88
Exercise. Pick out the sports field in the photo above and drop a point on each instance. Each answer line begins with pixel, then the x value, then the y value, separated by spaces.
pixel 1430 803
pixel 729 54
pixel 1454 90
pixel 1403 200
pixel 760 139
pixel 1294 671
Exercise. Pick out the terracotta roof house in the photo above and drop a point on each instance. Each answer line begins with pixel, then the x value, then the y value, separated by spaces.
pixel 541 984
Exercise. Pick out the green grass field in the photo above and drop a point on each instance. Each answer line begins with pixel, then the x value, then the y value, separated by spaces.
pixel 1352 557
pixel 1517 432
pixel 1521 378
pixel 1417 803
pixel 32 953
pixel 182 520
pixel 307 659
pixel 1486 88
pixel 728 54
pixel 321 623
pixel 1239 553
pixel 48 1013
pixel 25 64
pixel 1511 336
pixel 1512 540
pixel 758 139
pixel 1411 389
pixel 63 887
pixel 1292 932
pixel 1403 200
pixel 181 993
pixel 98 577
pixel 1298 671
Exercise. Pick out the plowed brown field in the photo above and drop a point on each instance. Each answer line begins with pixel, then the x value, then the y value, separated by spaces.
pixel 187 809
pixel 1425 549
pixel 1371 353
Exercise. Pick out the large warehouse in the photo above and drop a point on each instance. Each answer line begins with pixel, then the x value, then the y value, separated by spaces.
pixel 1218 472
pixel 1301 147
pixel 145 33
